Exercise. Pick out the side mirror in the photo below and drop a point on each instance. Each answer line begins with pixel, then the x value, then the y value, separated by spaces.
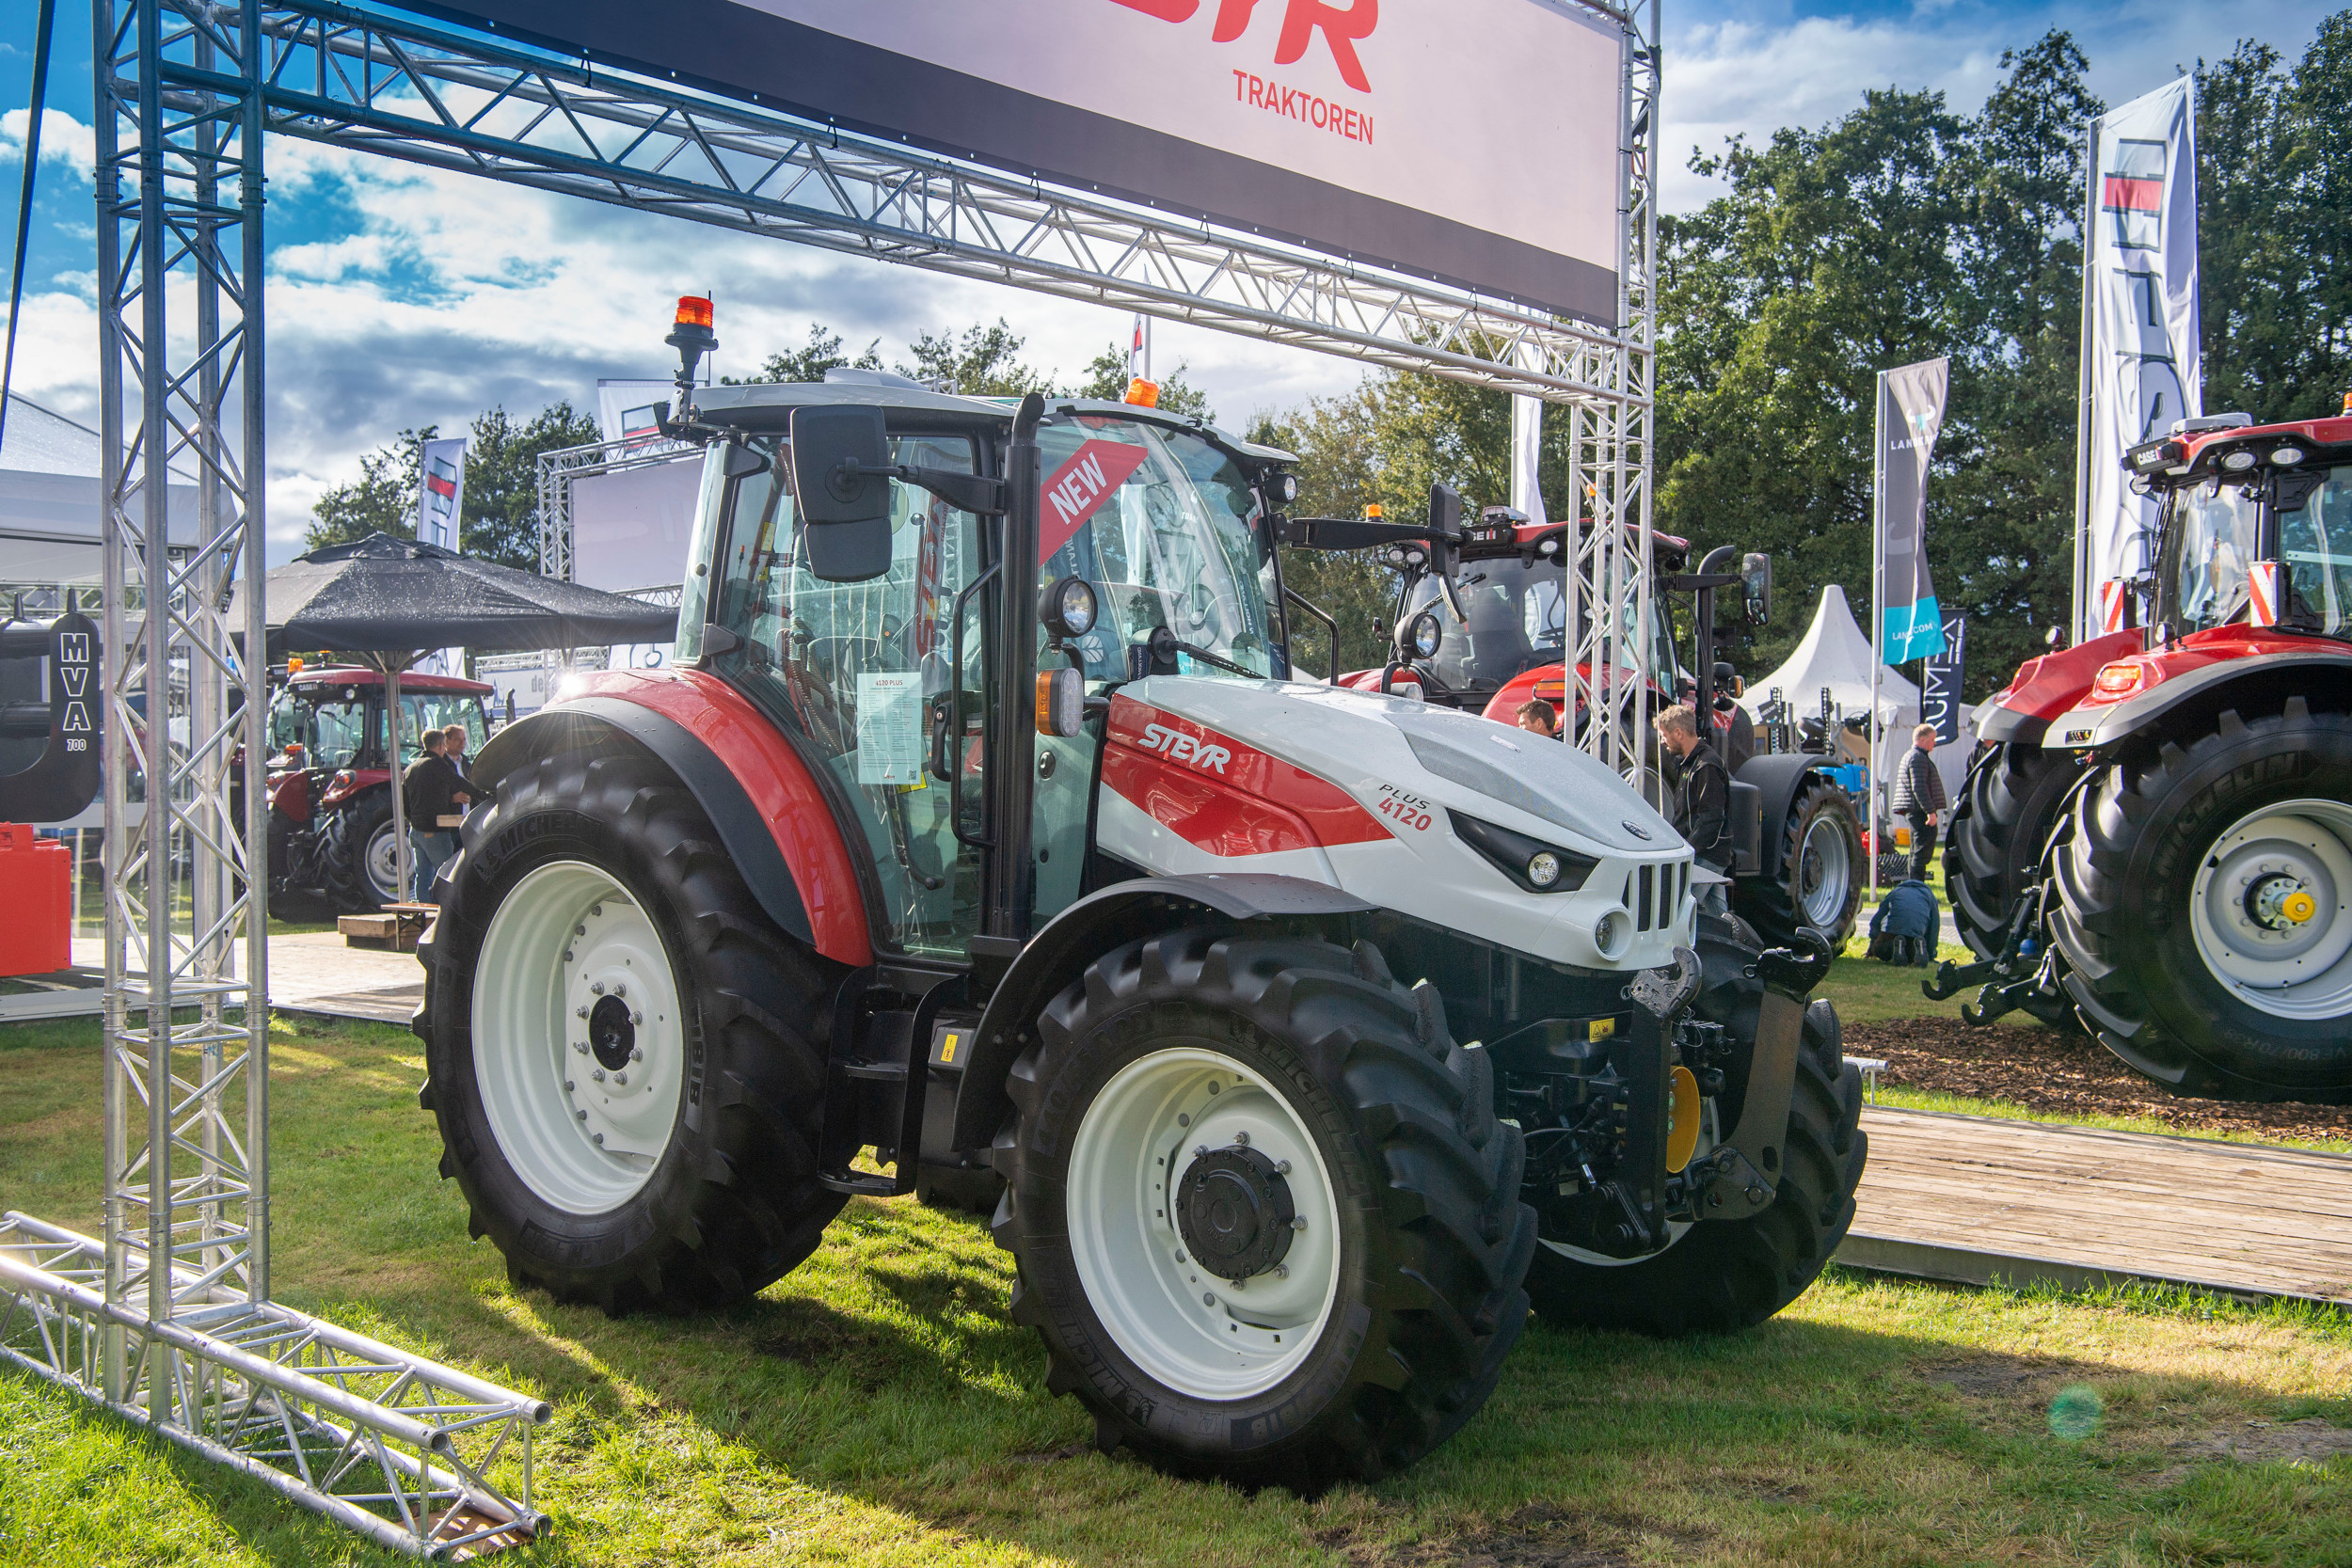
pixel 1755 586
pixel 841 485
pixel 1445 522
pixel 1445 509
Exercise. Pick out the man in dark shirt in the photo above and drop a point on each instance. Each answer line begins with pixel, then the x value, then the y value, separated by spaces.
pixel 1701 799
pixel 425 792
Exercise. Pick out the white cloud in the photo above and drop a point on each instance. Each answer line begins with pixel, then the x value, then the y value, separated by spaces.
pixel 65 141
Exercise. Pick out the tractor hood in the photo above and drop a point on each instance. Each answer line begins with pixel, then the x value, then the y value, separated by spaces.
pixel 1376 795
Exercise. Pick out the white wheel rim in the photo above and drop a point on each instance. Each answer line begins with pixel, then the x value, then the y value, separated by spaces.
pixel 578 1044
pixel 1821 882
pixel 382 862
pixel 2286 859
pixel 1195 1331
pixel 1676 1229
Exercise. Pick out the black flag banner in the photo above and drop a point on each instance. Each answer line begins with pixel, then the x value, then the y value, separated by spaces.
pixel 1939 688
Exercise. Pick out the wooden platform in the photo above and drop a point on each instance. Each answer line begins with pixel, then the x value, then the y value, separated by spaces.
pixel 1975 1198
pixel 395 930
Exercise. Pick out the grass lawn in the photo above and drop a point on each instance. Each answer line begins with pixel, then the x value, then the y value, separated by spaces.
pixel 876 1407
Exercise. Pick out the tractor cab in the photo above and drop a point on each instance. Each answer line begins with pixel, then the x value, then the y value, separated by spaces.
pixel 2241 501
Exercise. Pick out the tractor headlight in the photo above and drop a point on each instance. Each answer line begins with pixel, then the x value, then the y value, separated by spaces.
pixel 1536 866
pixel 1069 608
pixel 1282 489
pixel 2286 457
pixel 2237 461
pixel 1424 634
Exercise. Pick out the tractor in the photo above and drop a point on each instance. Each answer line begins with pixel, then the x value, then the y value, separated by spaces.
pixel 2155 835
pixel 978 843
pixel 330 799
pixel 1478 629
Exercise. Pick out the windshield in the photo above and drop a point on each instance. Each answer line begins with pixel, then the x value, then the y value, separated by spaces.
pixel 1161 522
pixel 1515 621
pixel 326 722
pixel 2315 545
pixel 2214 532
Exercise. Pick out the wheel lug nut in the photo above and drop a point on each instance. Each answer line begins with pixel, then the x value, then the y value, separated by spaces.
pixel 596 1073
pixel 1281 1271
pixel 1208 1298
pixel 580 930
pixel 636 1017
pixel 637 1055
pixel 581 1114
pixel 598 1139
pixel 596 909
pixel 595 987
pixel 568 1085
pixel 568 955
pixel 620 1078
pixel 1281 1168
pixel 1242 1139
pixel 1199 1151
pixel 619 990
pixel 580 1046
pixel 1300 1224
pixel 580 1011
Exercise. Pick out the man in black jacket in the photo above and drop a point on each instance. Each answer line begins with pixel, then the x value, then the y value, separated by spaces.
pixel 1919 799
pixel 1701 799
pixel 426 792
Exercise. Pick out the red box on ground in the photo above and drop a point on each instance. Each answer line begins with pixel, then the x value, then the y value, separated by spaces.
pixel 36 902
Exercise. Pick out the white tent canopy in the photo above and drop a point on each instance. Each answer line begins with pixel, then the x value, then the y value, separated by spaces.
pixel 1835 653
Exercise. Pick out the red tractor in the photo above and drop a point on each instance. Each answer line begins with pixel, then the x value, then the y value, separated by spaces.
pixel 977 841
pixel 330 799
pixel 2155 835
pixel 1478 629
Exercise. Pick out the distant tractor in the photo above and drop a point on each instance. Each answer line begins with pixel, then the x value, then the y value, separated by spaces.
pixel 2169 807
pixel 1478 629
pixel 331 802
pixel 979 840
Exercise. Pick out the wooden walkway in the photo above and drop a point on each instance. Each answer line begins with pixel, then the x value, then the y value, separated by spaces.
pixel 1975 1198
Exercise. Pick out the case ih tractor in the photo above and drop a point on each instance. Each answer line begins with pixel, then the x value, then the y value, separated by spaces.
pixel 1478 629
pixel 330 799
pixel 2156 830
pixel 978 840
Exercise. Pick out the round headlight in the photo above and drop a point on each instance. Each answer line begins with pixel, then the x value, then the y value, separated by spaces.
pixel 1610 933
pixel 1069 608
pixel 2237 461
pixel 1282 489
pixel 2286 457
pixel 1424 634
pixel 1543 868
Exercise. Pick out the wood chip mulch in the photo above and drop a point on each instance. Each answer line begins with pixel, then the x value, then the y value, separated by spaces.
pixel 2062 1074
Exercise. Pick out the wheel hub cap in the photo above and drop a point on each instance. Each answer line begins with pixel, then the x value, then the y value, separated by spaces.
pixel 2271 909
pixel 610 1034
pixel 1235 1211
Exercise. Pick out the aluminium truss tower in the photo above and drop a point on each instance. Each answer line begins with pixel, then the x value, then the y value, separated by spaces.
pixel 166 1318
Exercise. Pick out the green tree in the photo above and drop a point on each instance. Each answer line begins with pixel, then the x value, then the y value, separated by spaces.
pixel 1107 378
pixel 984 363
pixel 809 362
pixel 498 515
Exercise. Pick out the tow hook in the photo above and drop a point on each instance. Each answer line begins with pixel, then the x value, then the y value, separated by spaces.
pixel 1747 1167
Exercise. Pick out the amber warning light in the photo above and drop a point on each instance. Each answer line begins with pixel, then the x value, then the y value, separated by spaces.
pixel 694 310
pixel 1142 393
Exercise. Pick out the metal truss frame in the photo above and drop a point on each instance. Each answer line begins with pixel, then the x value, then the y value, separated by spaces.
pixel 166 1318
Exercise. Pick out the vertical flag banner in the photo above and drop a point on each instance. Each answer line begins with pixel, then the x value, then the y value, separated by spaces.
pixel 1911 415
pixel 1939 689
pixel 1140 350
pixel 2141 368
pixel 440 490
pixel 1527 444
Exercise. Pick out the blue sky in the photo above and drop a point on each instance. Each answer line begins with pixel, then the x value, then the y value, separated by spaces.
pixel 399 297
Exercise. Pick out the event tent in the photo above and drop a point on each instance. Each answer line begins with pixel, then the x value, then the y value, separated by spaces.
pixel 49 505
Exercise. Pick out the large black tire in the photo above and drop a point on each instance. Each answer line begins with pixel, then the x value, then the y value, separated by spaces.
pixel 2144 830
pixel 1722 1275
pixel 344 854
pixel 1778 909
pixel 1998 831
pixel 733 1201
pixel 1432 1240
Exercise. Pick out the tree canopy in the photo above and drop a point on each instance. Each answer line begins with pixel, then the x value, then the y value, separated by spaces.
pixel 498 512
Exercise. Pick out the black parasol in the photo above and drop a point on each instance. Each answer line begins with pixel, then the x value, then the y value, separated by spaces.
pixel 389 601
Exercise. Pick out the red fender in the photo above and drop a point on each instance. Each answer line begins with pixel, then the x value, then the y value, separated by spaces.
pixel 746 743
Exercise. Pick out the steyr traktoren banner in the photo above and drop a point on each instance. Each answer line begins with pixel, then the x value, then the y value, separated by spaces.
pixel 1473 141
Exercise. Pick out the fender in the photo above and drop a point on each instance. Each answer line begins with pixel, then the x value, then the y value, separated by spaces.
pixel 2203 692
pixel 768 811
pixel 1092 925
pixel 2045 687
pixel 1778 776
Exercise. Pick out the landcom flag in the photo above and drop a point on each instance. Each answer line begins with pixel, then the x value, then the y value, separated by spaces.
pixel 1911 415
pixel 2140 359
pixel 1400 135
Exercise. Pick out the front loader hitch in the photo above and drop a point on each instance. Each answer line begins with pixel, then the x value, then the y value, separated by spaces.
pixel 1747 1166
pixel 2020 975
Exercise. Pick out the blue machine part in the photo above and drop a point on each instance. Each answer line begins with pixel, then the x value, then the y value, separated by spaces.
pixel 1851 777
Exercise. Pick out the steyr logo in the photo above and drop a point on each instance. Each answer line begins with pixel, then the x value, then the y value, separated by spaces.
pixel 1185 749
pixel 1340 28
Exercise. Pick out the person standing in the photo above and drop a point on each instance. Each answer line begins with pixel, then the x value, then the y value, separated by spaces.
pixel 1919 799
pixel 425 792
pixel 1702 800
pixel 453 747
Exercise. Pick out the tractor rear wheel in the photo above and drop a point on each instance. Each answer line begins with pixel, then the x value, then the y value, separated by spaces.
pixel 622 1050
pixel 2205 909
pixel 1716 1277
pixel 1267 1223
pixel 359 858
pixel 1993 852
pixel 1820 888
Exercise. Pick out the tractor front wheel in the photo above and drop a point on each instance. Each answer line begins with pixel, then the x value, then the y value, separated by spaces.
pixel 622 1050
pixel 1266 1220
pixel 359 856
pixel 2205 909
pixel 1993 852
pixel 1820 888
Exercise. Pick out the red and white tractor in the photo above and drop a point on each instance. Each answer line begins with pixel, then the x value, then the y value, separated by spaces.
pixel 2155 835
pixel 977 842
pixel 330 799
pixel 1480 627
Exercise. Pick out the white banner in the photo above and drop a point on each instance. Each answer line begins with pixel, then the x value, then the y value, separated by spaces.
pixel 440 491
pixel 2140 361
pixel 1527 446
pixel 1473 140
